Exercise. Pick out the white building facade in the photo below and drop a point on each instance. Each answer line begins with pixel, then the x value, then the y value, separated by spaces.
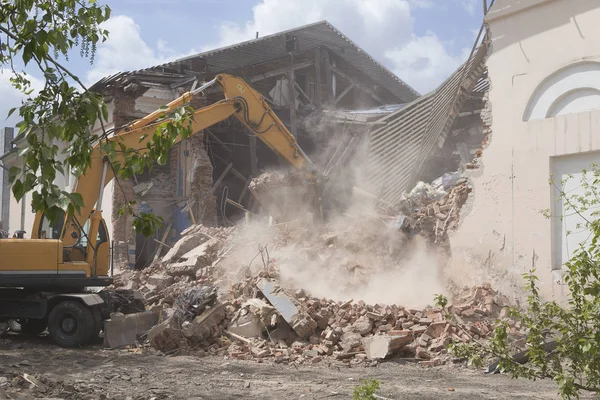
pixel 544 68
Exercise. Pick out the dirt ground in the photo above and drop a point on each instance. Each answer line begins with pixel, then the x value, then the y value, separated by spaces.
pixel 96 373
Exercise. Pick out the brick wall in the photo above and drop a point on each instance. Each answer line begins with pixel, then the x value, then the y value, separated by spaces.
pixel 205 208
pixel 123 234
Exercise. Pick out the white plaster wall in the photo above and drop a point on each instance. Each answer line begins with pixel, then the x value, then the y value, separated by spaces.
pixel 503 231
pixel 61 181
pixel 14 220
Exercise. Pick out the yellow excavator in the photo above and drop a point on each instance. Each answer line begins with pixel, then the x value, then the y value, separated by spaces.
pixel 43 279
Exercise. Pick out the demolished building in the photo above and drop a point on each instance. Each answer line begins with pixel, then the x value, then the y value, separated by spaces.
pixel 338 89
pixel 327 70
pixel 207 177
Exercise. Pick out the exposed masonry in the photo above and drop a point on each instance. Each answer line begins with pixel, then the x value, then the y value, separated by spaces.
pixel 162 198
pixel 486 116
pixel 123 234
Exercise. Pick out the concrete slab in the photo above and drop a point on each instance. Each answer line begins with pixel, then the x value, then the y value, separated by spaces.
pixel 122 330
pixel 302 323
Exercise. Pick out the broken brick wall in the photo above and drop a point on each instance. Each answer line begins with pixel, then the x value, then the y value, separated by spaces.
pixel 123 235
pixel 163 195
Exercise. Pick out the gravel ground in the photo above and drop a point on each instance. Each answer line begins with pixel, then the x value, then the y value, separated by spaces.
pixel 96 373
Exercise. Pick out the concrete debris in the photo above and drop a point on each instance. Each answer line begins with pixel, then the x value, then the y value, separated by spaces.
pixel 251 314
pixel 431 210
pixel 205 325
pixel 289 308
pixel 124 329
pixel 252 319
pixel 380 346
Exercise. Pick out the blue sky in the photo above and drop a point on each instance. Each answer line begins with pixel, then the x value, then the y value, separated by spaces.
pixel 422 41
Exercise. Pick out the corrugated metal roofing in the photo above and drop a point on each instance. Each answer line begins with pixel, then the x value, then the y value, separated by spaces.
pixel 272 47
pixel 399 148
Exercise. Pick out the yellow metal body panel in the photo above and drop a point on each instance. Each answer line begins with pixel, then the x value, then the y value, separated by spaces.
pixel 30 254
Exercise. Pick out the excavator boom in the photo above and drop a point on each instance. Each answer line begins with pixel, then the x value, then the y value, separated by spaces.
pixel 241 101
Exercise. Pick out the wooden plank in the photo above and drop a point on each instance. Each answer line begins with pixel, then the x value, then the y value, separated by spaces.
pixel 344 93
pixel 317 99
pixel 292 87
pixel 359 85
pixel 241 198
pixel 238 174
pixel 163 239
pixel 221 177
pixel 216 139
pixel 303 93
pixel 282 71
pixel 328 77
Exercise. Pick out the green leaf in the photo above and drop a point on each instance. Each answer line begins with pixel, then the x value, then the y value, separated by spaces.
pixel 11 111
pixel 18 190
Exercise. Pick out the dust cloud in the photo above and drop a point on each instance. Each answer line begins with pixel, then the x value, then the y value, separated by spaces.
pixel 356 253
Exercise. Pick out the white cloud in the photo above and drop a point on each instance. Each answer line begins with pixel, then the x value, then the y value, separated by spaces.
pixel 421 3
pixel 373 24
pixel 470 5
pixel 384 28
pixel 126 50
pixel 11 97
pixel 424 61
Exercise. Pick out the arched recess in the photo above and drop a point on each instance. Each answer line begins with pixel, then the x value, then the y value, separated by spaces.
pixel 572 89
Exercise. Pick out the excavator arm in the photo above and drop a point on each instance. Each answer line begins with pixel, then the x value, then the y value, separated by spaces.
pixel 241 101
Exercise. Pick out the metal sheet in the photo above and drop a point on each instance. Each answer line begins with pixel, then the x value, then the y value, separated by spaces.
pixel 272 47
pixel 399 149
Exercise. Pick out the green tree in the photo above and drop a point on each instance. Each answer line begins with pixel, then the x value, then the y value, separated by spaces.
pixel 38 36
pixel 563 341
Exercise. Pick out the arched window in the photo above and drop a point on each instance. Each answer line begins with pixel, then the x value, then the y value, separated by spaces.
pixel 573 89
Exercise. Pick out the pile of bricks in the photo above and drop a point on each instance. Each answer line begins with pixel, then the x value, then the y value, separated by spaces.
pixel 315 330
pixel 188 264
pixel 436 218
pixel 354 331
pixel 255 318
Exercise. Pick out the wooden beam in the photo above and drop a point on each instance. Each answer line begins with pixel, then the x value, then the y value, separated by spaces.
pixel 243 194
pixel 317 99
pixel 292 87
pixel 270 74
pixel 238 174
pixel 163 239
pixel 218 182
pixel 328 77
pixel 281 71
pixel 216 139
pixel 359 85
pixel 344 93
pixel 303 93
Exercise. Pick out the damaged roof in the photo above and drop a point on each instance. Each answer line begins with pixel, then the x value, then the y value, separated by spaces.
pixel 399 149
pixel 269 48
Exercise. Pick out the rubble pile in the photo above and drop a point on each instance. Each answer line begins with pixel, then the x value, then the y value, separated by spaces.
pixel 241 291
pixel 186 265
pixel 437 217
pixel 431 209
pixel 259 319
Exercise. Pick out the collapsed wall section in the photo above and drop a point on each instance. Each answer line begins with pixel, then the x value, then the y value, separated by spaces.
pixel 123 235
pixel 181 192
